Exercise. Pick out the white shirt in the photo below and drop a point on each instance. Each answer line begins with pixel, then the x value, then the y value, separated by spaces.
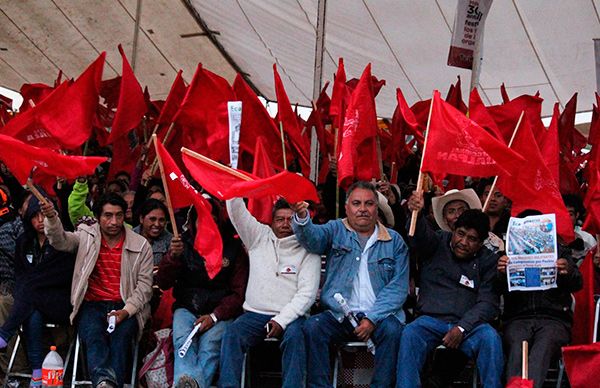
pixel 362 297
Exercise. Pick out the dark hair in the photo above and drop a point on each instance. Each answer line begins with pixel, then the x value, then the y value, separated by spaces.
pixel 574 201
pixel 362 185
pixel 109 199
pixel 483 183
pixel 281 203
pixel 475 219
pixel 119 183
pixel 123 172
pixel 529 212
pixel 152 204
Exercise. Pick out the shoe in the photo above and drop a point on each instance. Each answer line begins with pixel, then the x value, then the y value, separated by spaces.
pixel 186 381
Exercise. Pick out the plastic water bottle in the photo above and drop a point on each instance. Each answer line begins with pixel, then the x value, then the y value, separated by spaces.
pixel 52 369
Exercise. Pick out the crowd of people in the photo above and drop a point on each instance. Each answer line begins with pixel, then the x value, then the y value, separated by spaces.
pixel 94 250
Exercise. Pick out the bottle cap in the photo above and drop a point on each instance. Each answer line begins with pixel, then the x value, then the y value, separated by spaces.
pixel 53 348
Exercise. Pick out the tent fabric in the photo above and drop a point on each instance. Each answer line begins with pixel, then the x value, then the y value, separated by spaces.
pixel 529 45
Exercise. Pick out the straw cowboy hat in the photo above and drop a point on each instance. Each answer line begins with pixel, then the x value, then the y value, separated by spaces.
pixel 385 208
pixel 467 195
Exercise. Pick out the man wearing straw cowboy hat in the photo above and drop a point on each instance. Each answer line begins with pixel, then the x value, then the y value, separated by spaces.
pixel 112 278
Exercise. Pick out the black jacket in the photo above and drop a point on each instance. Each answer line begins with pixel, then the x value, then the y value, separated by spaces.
pixel 441 294
pixel 554 303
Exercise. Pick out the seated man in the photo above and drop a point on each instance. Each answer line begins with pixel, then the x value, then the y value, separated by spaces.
pixel 542 318
pixel 457 299
pixel 213 303
pixel 367 264
pixel 584 241
pixel 112 277
pixel 282 286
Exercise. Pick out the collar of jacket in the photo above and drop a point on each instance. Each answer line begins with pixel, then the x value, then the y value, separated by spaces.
pixel 131 243
pixel 382 235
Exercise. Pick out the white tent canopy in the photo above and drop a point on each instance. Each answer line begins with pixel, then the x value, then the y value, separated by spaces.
pixel 530 45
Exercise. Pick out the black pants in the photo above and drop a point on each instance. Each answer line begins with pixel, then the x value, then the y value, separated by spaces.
pixel 545 337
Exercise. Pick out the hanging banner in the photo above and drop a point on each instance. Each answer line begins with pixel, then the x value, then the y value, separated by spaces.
pixel 468 29
pixel 234 112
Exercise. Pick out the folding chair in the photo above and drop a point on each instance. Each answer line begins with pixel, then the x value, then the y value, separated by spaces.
pixel 353 346
pixel 80 356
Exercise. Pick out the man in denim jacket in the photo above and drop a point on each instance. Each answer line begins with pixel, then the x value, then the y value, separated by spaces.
pixel 367 264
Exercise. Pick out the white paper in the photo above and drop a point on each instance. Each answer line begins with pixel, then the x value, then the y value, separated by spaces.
pixel 234 112
pixel 531 247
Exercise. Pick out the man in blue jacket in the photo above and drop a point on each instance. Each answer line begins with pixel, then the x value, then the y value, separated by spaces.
pixel 367 264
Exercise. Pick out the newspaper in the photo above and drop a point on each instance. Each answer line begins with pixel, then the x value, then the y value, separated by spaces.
pixel 532 251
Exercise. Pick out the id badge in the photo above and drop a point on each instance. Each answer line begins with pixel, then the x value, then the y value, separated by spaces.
pixel 288 269
pixel 465 281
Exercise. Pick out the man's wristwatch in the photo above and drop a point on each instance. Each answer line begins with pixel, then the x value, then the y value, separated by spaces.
pixel 213 317
pixel 462 330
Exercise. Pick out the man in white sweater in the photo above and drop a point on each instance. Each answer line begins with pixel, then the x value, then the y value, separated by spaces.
pixel 282 286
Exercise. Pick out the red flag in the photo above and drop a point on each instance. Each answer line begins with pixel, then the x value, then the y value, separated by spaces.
pixel 262 208
pixel 457 145
pixel 21 158
pixel 532 186
pixel 507 115
pixel 421 111
pixel 519 382
pixel 583 316
pixel 582 363
pixel 566 127
pixel 131 107
pixel 340 96
pixel 478 113
pixel 288 120
pixel 64 118
pixel 454 97
pixel 592 201
pixel 505 98
pixel 549 147
pixel 72 112
pixel 203 114
pixel 256 122
pixel 208 242
pixel 403 122
pixel 358 155
pixel 594 134
pixel 173 101
pixel 35 93
pixel 226 183
pixel 125 154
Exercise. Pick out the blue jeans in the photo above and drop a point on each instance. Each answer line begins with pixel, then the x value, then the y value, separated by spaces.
pixel 249 330
pixel 323 329
pixel 425 333
pixel 202 358
pixel 108 355
pixel 33 330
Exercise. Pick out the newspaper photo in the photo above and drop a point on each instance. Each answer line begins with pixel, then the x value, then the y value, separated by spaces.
pixel 532 251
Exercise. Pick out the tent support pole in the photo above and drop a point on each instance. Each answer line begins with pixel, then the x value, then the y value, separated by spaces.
pixel 136 34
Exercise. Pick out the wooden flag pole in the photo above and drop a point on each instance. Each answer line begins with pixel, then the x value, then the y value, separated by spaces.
pixel 487 200
pixel 214 164
pixel 525 361
pixel 164 141
pixel 415 213
pixel 392 168
pixel 283 145
pixel 35 191
pixel 379 158
pixel 149 142
pixel 166 188
pixel 337 184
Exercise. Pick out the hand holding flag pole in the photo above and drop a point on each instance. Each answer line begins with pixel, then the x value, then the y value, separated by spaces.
pixel 166 187
pixel 415 213
pixel 487 200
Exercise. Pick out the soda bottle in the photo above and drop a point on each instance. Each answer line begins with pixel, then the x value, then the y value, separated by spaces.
pixel 52 369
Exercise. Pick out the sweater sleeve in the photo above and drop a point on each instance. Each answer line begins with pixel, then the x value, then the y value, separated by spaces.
pixel 76 202
pixel 246 225
pixel 60 239
pixel 308 284
pixel 168 271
